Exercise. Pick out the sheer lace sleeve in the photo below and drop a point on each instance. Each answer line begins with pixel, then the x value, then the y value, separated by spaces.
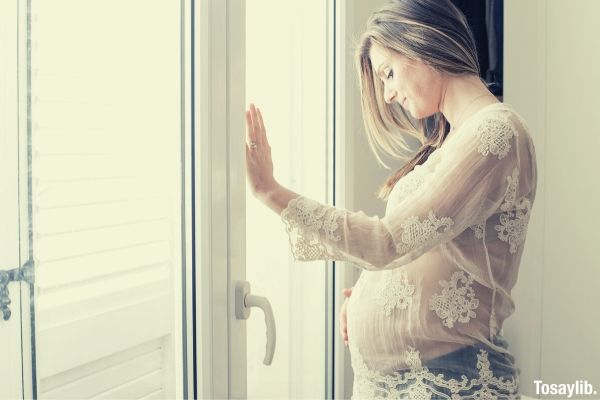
pixel 467 185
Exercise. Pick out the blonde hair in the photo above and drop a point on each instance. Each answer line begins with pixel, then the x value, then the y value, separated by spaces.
pixel 433 31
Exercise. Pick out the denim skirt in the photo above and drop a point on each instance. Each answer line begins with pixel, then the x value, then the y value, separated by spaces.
pixel 479 373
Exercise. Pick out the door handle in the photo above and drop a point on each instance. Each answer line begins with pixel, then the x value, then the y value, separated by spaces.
pixel 25 273
pixel 244 301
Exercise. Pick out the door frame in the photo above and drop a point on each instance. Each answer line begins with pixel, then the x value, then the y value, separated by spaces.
pixel 27 311
pixel 188 286
pixel 220 45
pixel 220 221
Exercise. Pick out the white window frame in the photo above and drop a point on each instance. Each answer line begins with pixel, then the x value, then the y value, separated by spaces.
pixel 219 59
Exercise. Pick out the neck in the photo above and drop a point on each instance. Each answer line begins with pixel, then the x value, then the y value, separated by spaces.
pixel 463 96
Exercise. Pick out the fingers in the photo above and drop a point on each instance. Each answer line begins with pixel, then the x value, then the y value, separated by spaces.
pixel 261 126
pixel 249 128
pixel 249 160
pixel 343 321
pixel 252 123
pixel 344 330
pixel 258 132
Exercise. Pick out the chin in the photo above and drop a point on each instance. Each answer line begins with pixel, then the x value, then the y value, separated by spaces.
pixel 412 110
pixel 420 114
pixel 415 113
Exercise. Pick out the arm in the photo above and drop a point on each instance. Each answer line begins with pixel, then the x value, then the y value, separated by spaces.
pixel 471 181
pixel 277 197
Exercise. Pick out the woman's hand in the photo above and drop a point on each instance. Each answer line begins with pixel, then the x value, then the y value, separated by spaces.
pixel 259 166
pixel 343 320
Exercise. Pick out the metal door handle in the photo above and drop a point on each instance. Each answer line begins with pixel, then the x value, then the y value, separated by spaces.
pixel 25 273
pixel 244 301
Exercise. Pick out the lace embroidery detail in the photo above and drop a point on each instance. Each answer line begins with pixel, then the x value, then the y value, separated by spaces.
pixel 495 135
pixel 419 383
pixel 513 224
pixel 419 233
pixel 303 219
pixel 478 229
pixel 455 303
pixel 493 323
pixel 514 219
pixel 395 291
pixel 511 190
pixel 410 182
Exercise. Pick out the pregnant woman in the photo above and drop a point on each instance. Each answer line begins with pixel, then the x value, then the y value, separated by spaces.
pixel 424 320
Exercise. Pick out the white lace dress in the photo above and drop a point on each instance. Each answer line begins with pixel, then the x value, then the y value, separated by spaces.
pixel 438 268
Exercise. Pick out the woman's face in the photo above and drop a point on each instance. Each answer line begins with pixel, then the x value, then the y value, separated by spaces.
pixel 412 84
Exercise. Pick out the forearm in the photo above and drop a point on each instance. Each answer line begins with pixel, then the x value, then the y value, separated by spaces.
pixel 277 198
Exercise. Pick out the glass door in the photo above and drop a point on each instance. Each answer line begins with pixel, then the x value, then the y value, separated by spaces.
pixel 265 325
pixel 287 77
pixel 99 159
pixel 265 321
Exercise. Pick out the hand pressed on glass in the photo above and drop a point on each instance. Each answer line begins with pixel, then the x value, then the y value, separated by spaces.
pixel 259 165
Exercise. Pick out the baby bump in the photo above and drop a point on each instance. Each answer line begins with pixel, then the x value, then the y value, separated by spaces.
pixel 356 317
pixel 377 313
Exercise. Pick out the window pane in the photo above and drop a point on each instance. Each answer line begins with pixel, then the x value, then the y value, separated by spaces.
pixel 286 76
pixel 106 197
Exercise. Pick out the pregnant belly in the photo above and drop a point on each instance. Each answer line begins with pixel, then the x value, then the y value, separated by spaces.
pixel 378 325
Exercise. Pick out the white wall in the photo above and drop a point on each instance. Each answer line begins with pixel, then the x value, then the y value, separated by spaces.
pixel 525 89
pixel 551 76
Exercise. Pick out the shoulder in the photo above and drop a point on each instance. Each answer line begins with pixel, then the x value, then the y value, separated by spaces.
pixel 498 130
pixel 502 136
